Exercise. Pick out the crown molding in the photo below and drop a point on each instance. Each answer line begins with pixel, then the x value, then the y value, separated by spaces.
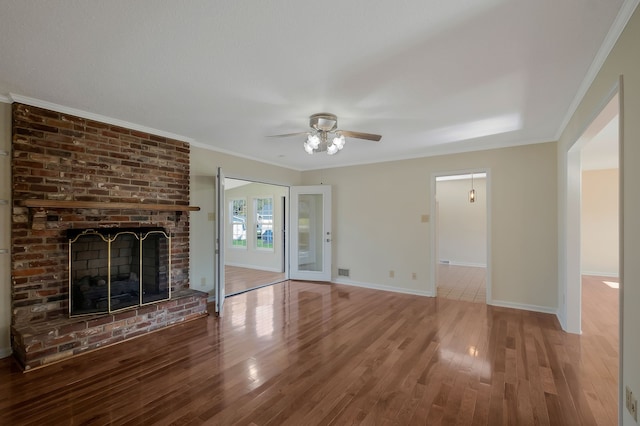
pixel 96 117
pixel 625 13
pixel 126 124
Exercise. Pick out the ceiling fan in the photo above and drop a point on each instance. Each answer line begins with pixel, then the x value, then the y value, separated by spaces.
pixel 324 134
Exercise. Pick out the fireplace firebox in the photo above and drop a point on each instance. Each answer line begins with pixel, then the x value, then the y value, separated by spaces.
pixel 113 269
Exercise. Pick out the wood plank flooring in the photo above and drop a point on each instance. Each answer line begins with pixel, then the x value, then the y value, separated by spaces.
pixel 239 279
pixel 301 353
pixel 466 283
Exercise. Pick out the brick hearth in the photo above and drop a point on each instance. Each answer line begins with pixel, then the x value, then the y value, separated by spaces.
pixel 43 342
pixel 56 156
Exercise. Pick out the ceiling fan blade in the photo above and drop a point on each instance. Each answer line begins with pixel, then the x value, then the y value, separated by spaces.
pixel 285 135
pixel 360 135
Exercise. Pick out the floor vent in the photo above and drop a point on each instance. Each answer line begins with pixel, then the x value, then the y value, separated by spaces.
pixel 343 272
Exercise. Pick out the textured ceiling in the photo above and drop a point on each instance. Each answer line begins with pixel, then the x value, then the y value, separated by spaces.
pixel 431 76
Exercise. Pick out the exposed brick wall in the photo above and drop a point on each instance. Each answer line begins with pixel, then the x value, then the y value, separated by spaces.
pixel 56 156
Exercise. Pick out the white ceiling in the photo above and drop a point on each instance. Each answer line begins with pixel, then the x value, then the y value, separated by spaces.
pixel 431 76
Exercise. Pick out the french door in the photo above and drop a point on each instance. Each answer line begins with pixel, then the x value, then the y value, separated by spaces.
pixel 219 289
pixel 310 233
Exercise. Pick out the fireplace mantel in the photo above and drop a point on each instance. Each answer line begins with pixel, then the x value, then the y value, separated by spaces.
pixel 62 204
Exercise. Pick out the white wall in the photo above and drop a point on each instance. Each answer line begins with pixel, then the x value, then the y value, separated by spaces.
pixel 599 223
pixel 250 256
pixel 5 234
pixel 202 237
pixel 623 60
pixel 462 226
pixel 378 210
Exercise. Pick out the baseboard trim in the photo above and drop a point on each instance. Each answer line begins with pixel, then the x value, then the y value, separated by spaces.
pixel 525 307
pixel 383 287
pixel 562 321
pixel 456 263
pixel 601 274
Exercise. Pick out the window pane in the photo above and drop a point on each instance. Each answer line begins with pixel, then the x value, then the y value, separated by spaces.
pixel 310 232
pixel 264 222
pixel 239 223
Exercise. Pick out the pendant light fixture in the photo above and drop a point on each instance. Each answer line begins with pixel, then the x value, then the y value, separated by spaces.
pixel 472 193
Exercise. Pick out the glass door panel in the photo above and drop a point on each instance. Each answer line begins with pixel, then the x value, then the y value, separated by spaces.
pixel 311 236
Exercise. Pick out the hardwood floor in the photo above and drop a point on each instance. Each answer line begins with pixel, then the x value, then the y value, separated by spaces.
pixel 466 283
pixel 239 279
pixel 303 353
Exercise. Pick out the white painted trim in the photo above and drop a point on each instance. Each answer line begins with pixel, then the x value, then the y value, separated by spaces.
pixel 473 265
pixel 601 274
pixel 525 307
pixel 627 9
pixel 5 352
pixel 5 99
pixel 498 303
pixel 561 320
pixel 259 268
pixel 570 211
pixel 383 287
pixel 571 295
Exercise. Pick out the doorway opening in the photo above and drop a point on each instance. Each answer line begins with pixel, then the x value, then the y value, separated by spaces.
pixel 593 236
pixel 255 254
pixel 460 237
pixel 592 214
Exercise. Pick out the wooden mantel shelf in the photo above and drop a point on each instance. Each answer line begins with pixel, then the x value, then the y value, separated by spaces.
pixel 57 204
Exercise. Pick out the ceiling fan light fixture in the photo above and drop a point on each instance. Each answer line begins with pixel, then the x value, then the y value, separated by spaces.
pixel 332 149
pixel 308 148
pixel 325 136
pixel 313 141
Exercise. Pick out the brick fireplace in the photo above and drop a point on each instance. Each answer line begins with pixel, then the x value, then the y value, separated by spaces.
pixel 73 173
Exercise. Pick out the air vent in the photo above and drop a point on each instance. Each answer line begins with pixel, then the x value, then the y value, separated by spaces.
pixel 445 262
pixel 343 272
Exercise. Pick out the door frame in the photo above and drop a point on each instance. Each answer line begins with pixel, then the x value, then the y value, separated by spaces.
pixel 285 203
pixel 570 288
pixel 220 239
pixel 326 237
pixel 432 289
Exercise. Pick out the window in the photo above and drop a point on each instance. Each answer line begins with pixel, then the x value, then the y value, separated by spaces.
pixel 238 223
pixel 264 222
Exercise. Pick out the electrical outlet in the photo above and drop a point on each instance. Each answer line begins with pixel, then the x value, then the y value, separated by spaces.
pixel 631 403
pixel 392 273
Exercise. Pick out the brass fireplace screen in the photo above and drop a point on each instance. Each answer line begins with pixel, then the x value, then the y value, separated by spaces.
pixel 115 269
